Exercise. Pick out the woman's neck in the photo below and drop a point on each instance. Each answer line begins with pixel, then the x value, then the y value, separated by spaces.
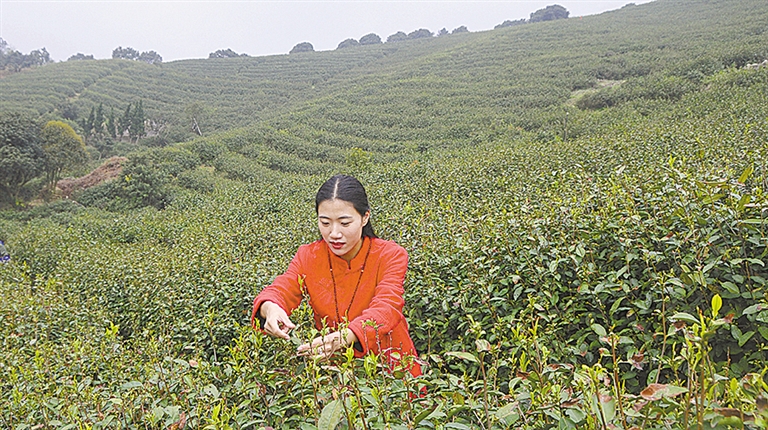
pixel 348 257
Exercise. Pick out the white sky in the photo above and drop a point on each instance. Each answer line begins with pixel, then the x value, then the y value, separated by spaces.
pixel 183 29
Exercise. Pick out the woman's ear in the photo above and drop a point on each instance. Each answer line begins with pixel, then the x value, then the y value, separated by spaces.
pixel 366 216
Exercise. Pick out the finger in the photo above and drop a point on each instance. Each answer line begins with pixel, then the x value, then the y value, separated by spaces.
pixel 272 328
pixel 288 323
pixel 303 349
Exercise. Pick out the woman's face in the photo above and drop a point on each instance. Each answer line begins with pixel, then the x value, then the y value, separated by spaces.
pixel 341 227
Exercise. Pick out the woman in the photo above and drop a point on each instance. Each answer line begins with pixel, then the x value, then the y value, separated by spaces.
pixel 354 281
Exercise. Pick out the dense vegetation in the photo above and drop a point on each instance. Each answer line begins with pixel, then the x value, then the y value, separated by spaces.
pixel 583 202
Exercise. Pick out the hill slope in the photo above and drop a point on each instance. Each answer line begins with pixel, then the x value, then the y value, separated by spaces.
pixel 506 76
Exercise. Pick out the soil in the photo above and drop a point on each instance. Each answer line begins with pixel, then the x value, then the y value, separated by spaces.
pixel 111 169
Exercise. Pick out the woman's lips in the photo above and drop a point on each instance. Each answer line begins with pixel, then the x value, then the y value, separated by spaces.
pixel 337 245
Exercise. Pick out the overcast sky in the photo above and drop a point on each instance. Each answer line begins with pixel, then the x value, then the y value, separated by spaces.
pixel 192 29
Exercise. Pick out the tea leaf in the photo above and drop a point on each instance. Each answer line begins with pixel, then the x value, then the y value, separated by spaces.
pixel 331 415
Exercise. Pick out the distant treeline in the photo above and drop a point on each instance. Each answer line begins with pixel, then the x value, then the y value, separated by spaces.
pixel 549 13
pixel 13 60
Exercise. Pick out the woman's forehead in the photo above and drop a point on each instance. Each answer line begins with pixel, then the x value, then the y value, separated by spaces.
pixel 336 208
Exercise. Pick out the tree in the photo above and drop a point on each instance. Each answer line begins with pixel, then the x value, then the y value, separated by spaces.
pixel 137 122
pixel 370 39
pixel 15 61
pixel 150 57
pixel 509 23
pixel 87 124
pixel 225 53
pixel 110 122
pixel 38 57
pixel 347 43
pixel 80 57
pixel 63 149
pixel 421 33
pixel 443 32
pixel 125 53
pixel 397 37
pixel 124 123
pixel 462 29
pixel 195 112
pixel 549 13
pixel 302 47
pixel 21 156
pixel 98 120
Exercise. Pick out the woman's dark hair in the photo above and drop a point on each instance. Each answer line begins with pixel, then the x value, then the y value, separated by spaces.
pixel 349 189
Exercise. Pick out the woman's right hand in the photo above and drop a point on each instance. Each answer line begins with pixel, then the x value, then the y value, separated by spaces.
pixel 276 321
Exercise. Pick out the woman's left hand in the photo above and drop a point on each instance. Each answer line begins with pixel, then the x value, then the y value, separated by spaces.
pixel 326 346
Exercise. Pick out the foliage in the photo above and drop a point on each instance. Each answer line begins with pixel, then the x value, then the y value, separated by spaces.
pixel 397 37
pixel 549 13
pixel 128 53
pixel 420 34
pixel 370 39
pixel 21 155
pixel 14 61
pixel 225 53
pixel 302 47
pixel 347 43
pixel 80 56
pixel 63 149
pixel 510 23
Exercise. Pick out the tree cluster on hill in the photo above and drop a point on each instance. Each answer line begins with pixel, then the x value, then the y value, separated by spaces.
pixel 302 47
pixel 422 33
pixel 80 56
pixel 225 53
pixel 100 125
pixel 549 13
pixel 13 60
pixel 128 53
pixel 28 151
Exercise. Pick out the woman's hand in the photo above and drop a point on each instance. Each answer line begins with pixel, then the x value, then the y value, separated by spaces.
pixel 276 321
pixel 326 346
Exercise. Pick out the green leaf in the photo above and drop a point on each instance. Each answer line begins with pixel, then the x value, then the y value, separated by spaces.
pixel 331 415
pixel 745 337
pixel 684 316
pixel 457 426
pixel 482 345
pixel 752 221
pixel 752 309
pixel 597 328
pixel 658 391
pixel 731 287
pixel 717 303
pixel 462 355
pixel 423 414
pixel 746 174
pixel 743 201
pixel 507 414
pixel 131 384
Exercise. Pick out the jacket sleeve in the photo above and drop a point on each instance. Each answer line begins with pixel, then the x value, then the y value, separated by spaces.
pixel 386 309
pixel 285 291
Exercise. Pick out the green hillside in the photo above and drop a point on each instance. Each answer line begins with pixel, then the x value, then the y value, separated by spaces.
pixel 583 203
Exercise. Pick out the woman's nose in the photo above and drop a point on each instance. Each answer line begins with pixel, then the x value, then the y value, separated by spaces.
pixel 336 232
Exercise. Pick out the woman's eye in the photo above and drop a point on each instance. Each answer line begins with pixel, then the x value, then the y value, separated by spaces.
pixel 324 224
pixel 346 224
